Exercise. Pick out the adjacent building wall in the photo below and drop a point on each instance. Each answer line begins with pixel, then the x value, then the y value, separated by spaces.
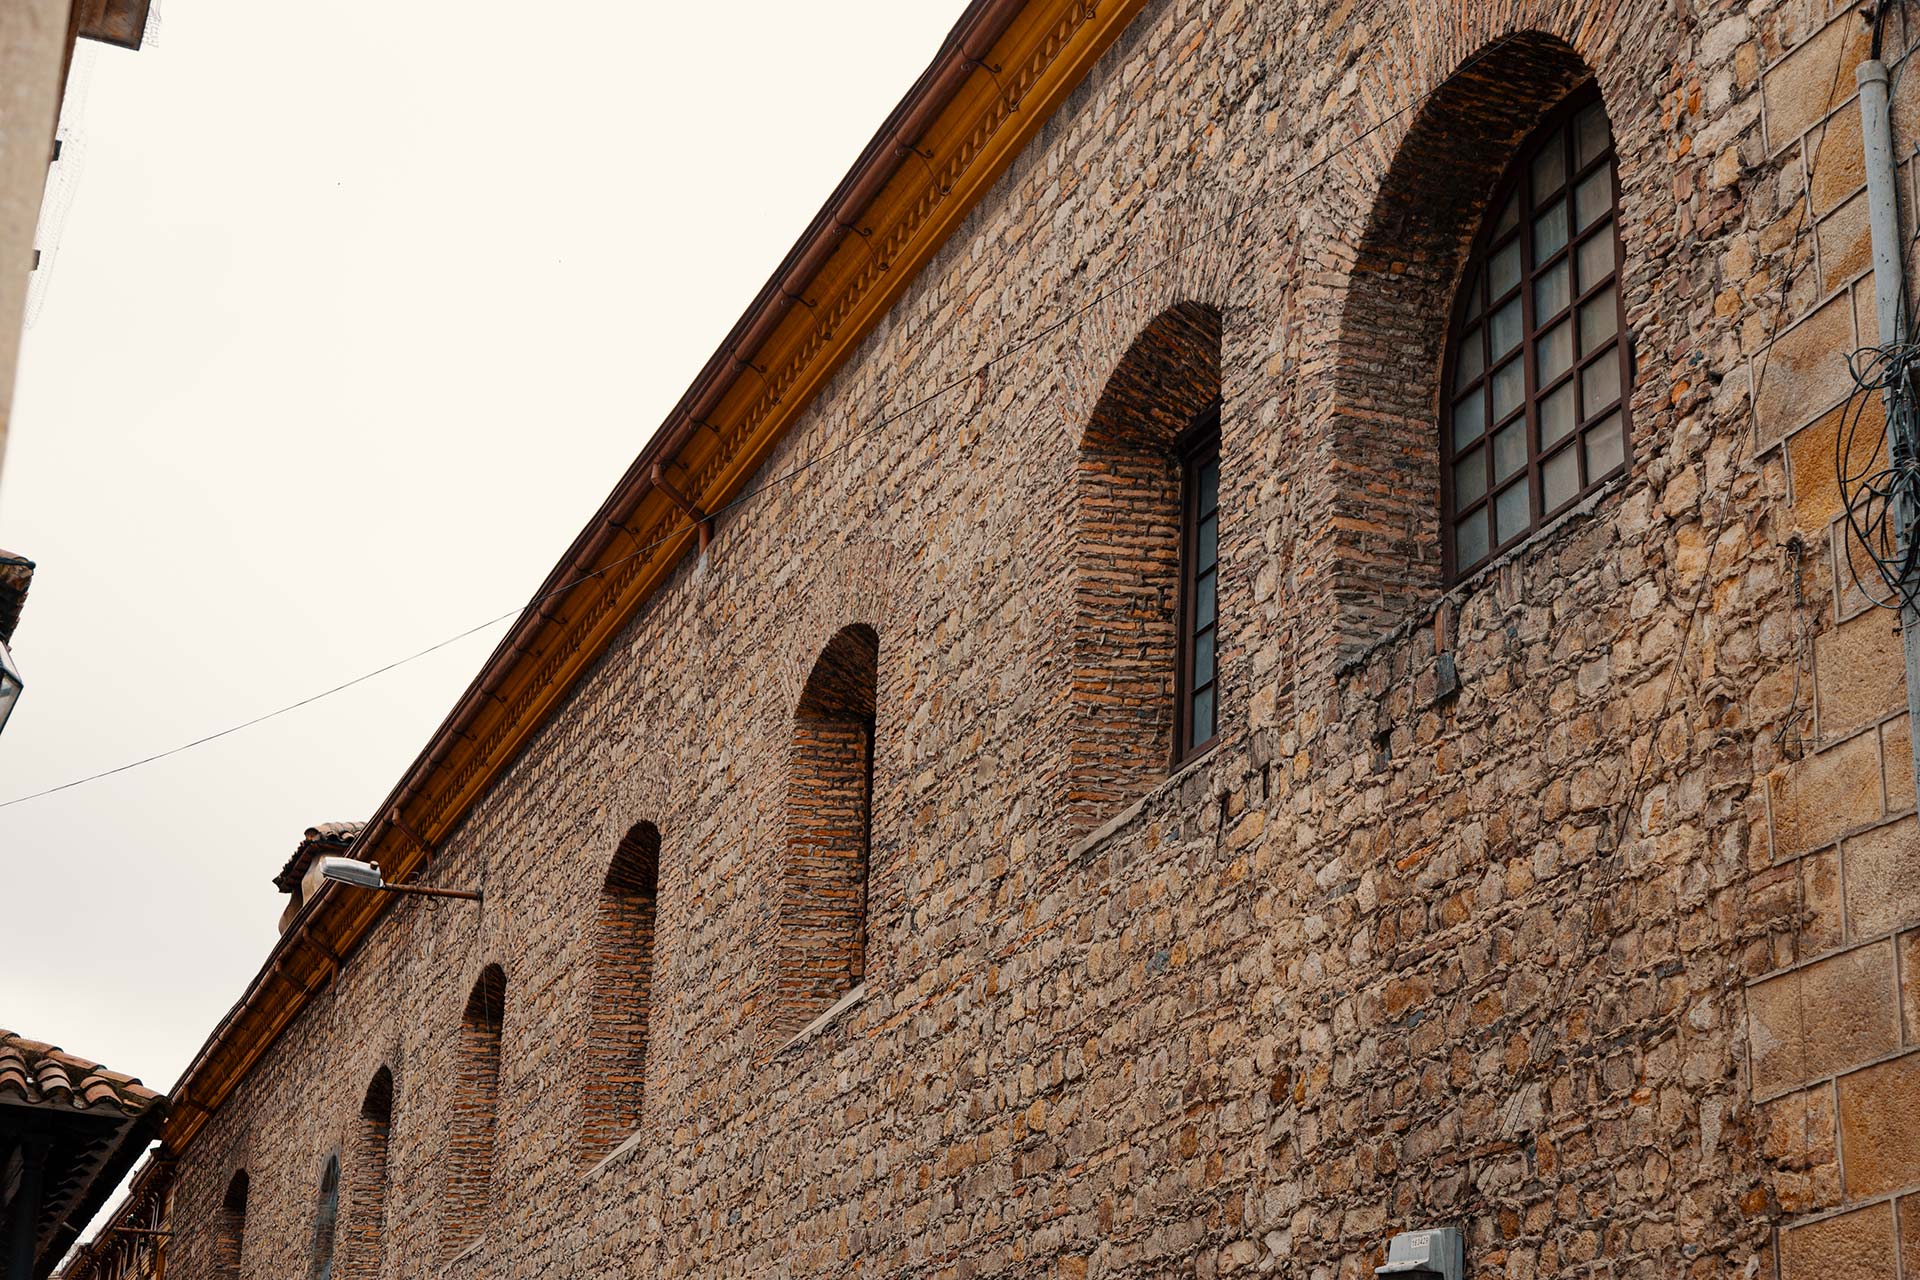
pixel 1604 957
pixel 34 43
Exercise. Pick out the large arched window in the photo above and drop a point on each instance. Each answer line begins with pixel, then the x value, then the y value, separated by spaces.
pixel 622 992
pixel 1537 373
pixel 475 1113
pixel 823 911
pixel 326 1220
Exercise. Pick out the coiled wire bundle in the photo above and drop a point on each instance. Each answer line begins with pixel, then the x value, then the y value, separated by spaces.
pixel 1880 492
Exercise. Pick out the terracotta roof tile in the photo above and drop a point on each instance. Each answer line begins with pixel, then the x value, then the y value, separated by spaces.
pixel 41 1073
pixel 323 838
pixel 15 573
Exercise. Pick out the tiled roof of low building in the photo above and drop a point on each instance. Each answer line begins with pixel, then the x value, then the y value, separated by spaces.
pixel 44 1074
pixel 323 838
pixel 91 1124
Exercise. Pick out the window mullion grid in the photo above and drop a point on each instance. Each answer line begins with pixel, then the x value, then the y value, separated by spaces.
pixel 1560 140
pixel 1529 349
pixel 1614 348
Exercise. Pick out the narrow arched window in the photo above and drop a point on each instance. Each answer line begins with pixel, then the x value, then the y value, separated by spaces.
pixel 1538 372
pixel 1145 542
pixel 366 1216
pixel 326 1220
pixel 823 910
pixel 230 1228
pixel 475 1114
pixel 622 992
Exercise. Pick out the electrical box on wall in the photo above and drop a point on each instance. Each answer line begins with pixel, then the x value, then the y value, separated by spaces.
pixel 1436 1254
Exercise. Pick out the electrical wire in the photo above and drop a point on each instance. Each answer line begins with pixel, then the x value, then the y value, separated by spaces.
pixel 1881 494
pixel 883 421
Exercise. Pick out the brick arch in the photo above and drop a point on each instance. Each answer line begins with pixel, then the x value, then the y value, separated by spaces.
pixel 1125 544
pixel 852 583
pixel 829 830
pixel 365 1212
pixel 621 993
pixel 1377 527
pixel 1186 253
pixel 474 1115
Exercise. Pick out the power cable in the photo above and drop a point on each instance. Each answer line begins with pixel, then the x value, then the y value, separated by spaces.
pixel 883 421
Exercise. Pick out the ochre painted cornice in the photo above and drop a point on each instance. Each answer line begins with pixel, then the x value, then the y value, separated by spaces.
pixel 1002 73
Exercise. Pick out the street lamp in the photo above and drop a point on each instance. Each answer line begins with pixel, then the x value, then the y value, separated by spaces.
pixel 366 875
pixel 10 685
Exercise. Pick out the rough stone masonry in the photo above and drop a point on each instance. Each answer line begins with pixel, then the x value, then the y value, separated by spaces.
pixel 1610 957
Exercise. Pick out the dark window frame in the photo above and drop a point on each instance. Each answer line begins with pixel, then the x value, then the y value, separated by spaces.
pixel 1556 128
pixel 1197 448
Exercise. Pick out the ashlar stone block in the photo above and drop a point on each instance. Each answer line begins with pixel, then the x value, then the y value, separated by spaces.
pixel 1877 1139
pixel 1812 460
pixel 1808 1023
pixel 1882 869
pixel 1813 79
pixel 1848 1246
pixel 1859 674
pixel 1815 799
pixel 1804 372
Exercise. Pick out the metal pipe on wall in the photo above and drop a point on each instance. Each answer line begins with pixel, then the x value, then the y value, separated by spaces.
pixel 1889 297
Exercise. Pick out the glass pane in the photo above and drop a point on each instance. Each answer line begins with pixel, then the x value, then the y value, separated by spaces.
pixel 1589 134
pixel 1470 478
pixel 1203 659
pixel 1509 216
pixel 1476 296
pixel 1208 550
pixel 1468 360
pixel 1559 478
pixel 1509 450
pixel 1510 511
pixel 1470 418
pixel 1202 728
pixel 1503 271
pixel 1555 351
pixel 1596 258
pixel 1210 486
pixel 1552 291
pixel 1509 388
pixel 1599 320
pixel 1606 447
pixel 1470 540
pixel 1550 232
pixel 1549 168
pixel 1599 385
pixel 1593 198
pixel 1205 599
pixel 1557 417
pixel 1504 328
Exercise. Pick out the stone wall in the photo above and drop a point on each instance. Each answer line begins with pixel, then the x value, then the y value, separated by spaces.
pixel 1602 955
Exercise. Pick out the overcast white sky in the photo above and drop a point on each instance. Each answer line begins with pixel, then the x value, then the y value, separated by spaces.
pixel 357 313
